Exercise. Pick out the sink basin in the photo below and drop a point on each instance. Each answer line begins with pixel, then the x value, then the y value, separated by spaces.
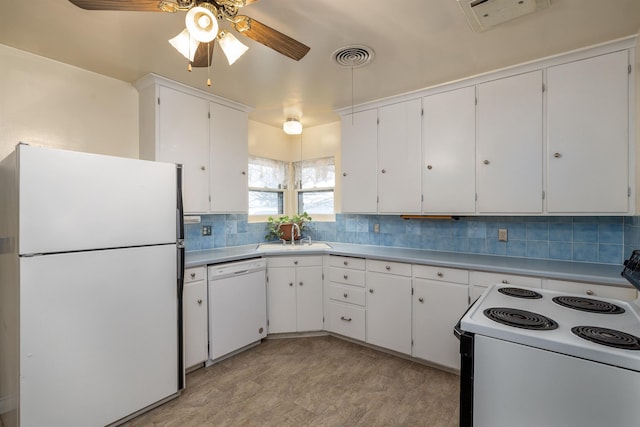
pixel 289 247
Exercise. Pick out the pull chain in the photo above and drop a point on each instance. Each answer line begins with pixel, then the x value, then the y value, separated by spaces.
pixel 208 66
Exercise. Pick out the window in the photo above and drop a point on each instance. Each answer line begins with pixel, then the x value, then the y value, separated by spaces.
pixel 267 182
pixel 315 182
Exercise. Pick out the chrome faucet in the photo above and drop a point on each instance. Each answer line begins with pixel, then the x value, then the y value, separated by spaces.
pixel 294 227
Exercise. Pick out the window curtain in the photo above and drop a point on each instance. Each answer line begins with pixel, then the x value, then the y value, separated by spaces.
pixel 268 173
pixel 315 173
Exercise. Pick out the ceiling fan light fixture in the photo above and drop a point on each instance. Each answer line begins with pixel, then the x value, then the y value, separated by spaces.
pixel 292 126
pixel 231 46
pixel 185 44
pixel 202 23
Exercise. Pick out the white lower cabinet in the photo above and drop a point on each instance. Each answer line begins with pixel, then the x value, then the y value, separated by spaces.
pixel 294 294
pixel 437 306
pixel 592 290
pixel 194 303
pixel 388 294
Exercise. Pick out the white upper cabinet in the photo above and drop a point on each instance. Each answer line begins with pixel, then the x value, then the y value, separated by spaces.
pixel 183 137
pixel 449 152
pixel 359 162
pixel 510 145
pixel 399 153
pixel 588 135
pixel 229 159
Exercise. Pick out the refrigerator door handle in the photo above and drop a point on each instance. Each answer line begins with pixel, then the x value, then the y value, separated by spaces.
pixel 180 278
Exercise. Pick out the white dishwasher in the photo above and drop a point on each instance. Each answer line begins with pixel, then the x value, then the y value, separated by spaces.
pixel 237 306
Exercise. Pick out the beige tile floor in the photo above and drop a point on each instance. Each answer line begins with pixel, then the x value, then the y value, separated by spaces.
pixel 315 381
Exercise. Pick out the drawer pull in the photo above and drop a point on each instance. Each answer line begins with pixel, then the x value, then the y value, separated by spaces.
pixel 295 262
pixel 346 262
pixel 290 284
pixel 345 294
pixel 346 319
pixel 590 292
pixel 421 299
pixel 439 274
pixel 193 275
pixel 199 302
pixel 388 267
pixel 505 281
pixel 370 291
pixel 300 283
pixel 345 277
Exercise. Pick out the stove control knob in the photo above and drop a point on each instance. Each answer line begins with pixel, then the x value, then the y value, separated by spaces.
pixel 589 292
pixel 506 282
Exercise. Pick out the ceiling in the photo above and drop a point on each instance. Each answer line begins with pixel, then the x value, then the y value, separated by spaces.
pixel 417 44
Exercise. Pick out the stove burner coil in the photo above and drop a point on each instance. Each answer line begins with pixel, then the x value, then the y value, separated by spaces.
pixel 520 318
pixel 608 337
pixel 520 293
pixel 588 304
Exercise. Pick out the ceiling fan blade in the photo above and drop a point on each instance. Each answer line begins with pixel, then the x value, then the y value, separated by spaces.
pixel 200 59
pixel 248 2
pixel 128 5
pixel 269 37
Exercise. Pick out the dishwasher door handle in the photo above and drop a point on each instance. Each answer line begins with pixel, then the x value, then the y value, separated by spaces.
pixel 237 273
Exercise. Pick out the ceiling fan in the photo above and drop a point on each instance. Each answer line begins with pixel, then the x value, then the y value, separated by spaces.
pixel 202 17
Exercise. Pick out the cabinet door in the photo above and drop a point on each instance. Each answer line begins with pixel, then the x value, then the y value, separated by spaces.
pixel 389 311
pixel 449 152
pixel 510 145
pixel 229 159
pixel 588 122
pixel 437 307
pixel 281 300
pixel 184 138
pixel 309 299
pixel 400 173
pixel 359 162
pixel 194 304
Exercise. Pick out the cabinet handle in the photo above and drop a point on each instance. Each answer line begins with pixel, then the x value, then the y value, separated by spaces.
pixel 244 173
pixel 291 284
pixel 421 299
pixel 557 155
pixel 439 274
pixel 370 291
pixel 202 168
pixel 345 277
pixel 344 174
pixel 590 292
pixel 199 302
pixel 388 267
pixel 346 319
pixel 429 167
pixel 505 281
pixel 345 294
pixel 486 162
pixel 346 263
pixel 295 262
pixel 193 275
pixel 300 283
pixel 384 171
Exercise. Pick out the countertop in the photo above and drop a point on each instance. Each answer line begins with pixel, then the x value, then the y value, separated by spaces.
pixel 561 270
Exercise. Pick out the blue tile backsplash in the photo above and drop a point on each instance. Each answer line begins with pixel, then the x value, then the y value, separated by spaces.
pixel 604 240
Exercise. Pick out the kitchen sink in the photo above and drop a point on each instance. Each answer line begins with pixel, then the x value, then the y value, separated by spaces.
pixel 298 247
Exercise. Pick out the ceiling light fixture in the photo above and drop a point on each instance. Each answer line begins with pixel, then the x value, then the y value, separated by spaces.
pixel 202 23
pixel 292 126
pixel 185 44
pixel 231 46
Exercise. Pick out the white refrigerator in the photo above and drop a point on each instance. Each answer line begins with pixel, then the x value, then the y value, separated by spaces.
pixel 91 264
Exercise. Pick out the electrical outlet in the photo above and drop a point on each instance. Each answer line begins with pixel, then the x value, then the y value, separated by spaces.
pixel 206 230
pixel 376 228
pixel 502 234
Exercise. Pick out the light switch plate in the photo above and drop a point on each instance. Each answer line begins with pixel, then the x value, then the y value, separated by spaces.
pixel 206 230
pixel 502 234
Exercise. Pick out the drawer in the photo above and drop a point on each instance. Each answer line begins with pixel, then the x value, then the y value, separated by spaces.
pixel 348 294
pixel 298 261
pixel 479 278
pixel 453 275
pixel 194 274
pixel 347 320
pixel 346 276
pixel 347 262
pixel 397 268
pixel 591 290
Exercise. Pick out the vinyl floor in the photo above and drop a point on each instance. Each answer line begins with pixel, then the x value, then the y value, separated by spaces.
pixel 312 381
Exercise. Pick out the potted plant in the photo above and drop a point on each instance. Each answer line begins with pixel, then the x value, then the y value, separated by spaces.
pixel 282 227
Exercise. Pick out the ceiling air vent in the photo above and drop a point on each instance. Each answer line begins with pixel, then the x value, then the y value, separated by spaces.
pixel 484 14
pixel 353 56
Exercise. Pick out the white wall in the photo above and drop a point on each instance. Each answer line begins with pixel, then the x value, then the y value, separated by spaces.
pixel 45 102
